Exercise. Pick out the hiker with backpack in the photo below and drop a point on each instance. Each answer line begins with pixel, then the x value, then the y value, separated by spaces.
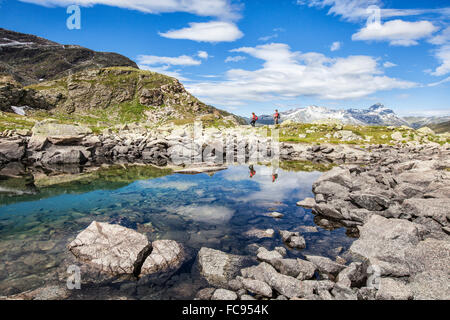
pixel 276 117
pixel 254 119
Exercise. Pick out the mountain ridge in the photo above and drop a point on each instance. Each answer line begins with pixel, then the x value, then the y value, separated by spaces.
pixel 377 114
pixel 30 59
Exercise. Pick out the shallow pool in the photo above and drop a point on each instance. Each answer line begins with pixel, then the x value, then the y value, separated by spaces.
pixel 215 211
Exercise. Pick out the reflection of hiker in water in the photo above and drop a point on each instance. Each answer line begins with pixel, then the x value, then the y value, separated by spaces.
pixel 275 166
pixel 274 177
pixel 252 171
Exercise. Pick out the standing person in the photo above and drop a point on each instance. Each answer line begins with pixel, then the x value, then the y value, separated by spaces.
pixel 276 117
pixel 254 119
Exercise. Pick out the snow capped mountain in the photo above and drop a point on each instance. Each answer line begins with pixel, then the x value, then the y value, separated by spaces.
pixel 377 114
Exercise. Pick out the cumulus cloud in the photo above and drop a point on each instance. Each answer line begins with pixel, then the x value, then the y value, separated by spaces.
pixel 286 74
pixel 397 32
pixel 214 8
pixel 443 55
pixel 335 46
pixel 203 54
pixel 213 31
pixel 235 59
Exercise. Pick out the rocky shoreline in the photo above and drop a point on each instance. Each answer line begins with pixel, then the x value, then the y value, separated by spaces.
pixel 396 199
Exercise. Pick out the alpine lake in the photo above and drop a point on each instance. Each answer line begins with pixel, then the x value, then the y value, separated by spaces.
pixel 41 212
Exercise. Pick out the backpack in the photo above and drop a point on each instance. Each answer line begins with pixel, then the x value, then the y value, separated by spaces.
pixel 256 118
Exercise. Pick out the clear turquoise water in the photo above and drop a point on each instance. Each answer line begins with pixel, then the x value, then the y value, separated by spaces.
pixel 197 210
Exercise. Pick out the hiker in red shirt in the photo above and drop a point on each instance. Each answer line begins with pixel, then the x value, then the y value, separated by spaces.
pixel 254 119
pixel 276 117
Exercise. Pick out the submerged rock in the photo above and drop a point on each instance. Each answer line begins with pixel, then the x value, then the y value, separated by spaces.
pixel 223 294
pixel 167 256
pixel 117 250
pixel 111 248
pixel 218 267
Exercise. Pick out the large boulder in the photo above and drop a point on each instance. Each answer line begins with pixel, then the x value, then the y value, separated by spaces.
pixel 11 151
pixel 218 267
pixel 437 209
pixel 384 242
pixel 166 255
pixel 111 248
pixel 58 133
pixel 429 265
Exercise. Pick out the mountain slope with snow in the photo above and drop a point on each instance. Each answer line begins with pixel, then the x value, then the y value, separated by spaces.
pixel 377 114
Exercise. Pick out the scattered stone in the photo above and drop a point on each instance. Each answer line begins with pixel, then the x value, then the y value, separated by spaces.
pixel 326 265
pixel 218 267
pixel 223 294
pixel 257 287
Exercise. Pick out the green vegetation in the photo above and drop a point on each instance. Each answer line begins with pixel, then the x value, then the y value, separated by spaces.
pixel 10 121
pixel 325 133
pixel 306 166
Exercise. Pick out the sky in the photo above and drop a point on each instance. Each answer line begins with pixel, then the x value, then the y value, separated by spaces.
pixel 248 56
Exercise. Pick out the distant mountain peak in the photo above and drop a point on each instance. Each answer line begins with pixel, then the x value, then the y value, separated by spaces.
pixel 377 114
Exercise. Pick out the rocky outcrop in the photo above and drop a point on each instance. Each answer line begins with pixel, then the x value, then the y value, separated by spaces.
pixel 29 59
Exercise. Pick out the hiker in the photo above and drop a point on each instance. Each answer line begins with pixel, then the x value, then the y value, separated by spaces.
pixel 254 119
pixel 276 117
pixel 252 171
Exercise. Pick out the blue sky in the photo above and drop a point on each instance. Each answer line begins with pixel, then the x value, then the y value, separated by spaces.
pixel 246 56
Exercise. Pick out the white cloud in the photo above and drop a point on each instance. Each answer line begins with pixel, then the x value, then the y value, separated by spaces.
pixel 213 8
pixel 442 38
pixel 173 61
pixel 397 32
pixel 164 70
pixel 213 31
pixel 435 84
pixel 351 10
pixel 357 10
pixel 335 46
pixel 203 55
pixel 286 74
pixel 235 59
pixel 443 55
pixel 389 64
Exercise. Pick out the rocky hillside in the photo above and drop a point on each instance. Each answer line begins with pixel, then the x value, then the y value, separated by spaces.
pixel 108 96
pixel 420 122
pixel 440 127
pixel 30 59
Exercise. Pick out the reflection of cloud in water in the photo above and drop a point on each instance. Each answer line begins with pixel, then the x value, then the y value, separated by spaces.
pixel 178 185
pixel 206 213
pixel 281 189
